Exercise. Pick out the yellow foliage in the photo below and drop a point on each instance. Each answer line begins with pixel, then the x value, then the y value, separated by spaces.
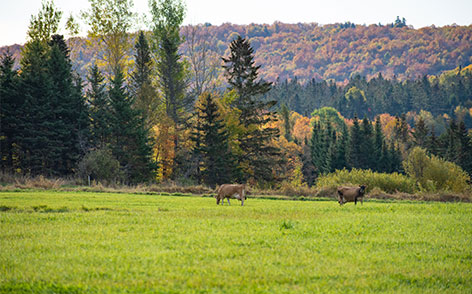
pixel 165 135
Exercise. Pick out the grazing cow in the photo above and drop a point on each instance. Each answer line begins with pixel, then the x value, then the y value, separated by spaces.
pixel 231 191
pixel 349 194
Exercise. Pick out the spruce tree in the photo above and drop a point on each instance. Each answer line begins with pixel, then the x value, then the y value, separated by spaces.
pixel 341 149
pixel 463 148
pixel 308 169
pixel 129 139
pixel 218 165
pixel 420 133
pixel 255 113
pixel 67 111
pixel 145 95
pixel 36 131
pixel 367 151
pixel 378 154
pixel 355 143
pixel 98 100
pixel 10 105
pixel 285 114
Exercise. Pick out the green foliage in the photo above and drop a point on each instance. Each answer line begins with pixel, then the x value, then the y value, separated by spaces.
pixel 434 174
pixel 218 164
pixel 101 166
pixel 109 22
pixel 258 156
pixel 129 243
pixel 129 138
pixel 10 107
pixel 146 99
pixel 167 16
pixel 46 23
pixel 389 183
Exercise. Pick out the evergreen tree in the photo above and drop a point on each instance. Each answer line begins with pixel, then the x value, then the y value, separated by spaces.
pixel 129 138
pixel 452 142
pixel 433 143
pixel 395 159
pixel 218 162
pixel 142 88
pixel 464 148
pixel 378 147
pixel 255 114
pixel 355 149
pixel 420 134
pixel 99 108
pixel 67 105
pixel 35 129
pixel 308 169
pixel 167 18
pixel 341 149
pixel 285 114
pixel 10 105
pixel 367 150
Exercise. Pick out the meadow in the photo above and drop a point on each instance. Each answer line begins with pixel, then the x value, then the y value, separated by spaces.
pixel 83 242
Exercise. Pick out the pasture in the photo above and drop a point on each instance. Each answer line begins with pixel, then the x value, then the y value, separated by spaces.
pixel 76 242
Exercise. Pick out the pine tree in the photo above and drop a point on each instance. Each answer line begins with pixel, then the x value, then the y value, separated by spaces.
pixel 10 105
pixel 218 162
pixel 129 138
pixel 255 114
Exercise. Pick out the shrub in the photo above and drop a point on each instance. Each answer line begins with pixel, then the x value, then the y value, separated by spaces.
pixel 434 174
pixel 101 166
pixel 390 183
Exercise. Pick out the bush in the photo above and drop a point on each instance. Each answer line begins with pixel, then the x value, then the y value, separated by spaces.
pixel 434 174
pixel 101 166
pixel 389 183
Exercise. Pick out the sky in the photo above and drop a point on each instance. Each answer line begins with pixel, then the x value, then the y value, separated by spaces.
pixel 15 15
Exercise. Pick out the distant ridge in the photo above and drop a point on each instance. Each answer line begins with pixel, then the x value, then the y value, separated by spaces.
pixel 335 51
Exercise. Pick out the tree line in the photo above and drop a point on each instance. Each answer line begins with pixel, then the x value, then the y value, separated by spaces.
pixel 449 93
pixel 130 123
pixel 159 117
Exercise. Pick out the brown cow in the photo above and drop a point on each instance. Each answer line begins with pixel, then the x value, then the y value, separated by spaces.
pixel 231 191
pixel 349 194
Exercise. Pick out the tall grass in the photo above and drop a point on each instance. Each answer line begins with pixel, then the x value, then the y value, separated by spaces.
pixel 390 183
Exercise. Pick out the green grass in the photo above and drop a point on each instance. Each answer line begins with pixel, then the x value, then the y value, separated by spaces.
pixel 66 242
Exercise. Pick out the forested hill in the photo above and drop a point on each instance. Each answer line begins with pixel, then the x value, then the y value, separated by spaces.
pixel 335 51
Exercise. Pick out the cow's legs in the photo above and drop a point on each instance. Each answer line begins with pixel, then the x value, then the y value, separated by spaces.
pixel 228 201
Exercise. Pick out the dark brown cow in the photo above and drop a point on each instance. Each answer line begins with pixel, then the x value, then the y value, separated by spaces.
pixel 350 194
pixel 227 191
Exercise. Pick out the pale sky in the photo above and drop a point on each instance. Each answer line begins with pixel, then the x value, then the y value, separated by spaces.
pixel 15 14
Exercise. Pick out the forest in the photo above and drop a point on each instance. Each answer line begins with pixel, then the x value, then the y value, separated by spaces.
pixel 268 105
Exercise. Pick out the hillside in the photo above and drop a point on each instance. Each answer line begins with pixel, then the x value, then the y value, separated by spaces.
pixel 335 51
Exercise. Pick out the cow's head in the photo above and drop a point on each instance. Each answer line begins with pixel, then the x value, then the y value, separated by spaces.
pixel 362 189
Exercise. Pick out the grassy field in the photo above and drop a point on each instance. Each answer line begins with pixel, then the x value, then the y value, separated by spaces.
pixel 66 242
